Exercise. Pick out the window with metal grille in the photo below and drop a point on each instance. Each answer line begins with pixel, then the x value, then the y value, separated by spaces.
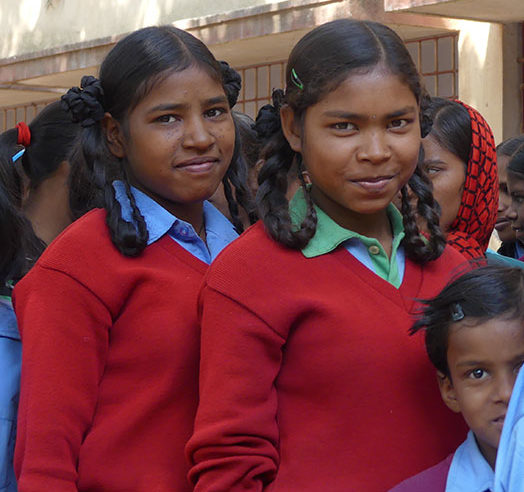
pixel 436 59
pixel 10 116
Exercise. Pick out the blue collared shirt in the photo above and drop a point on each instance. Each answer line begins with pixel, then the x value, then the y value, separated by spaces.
pixel 469 470
pixel 219 230
pixel 10 364
pixel 509 467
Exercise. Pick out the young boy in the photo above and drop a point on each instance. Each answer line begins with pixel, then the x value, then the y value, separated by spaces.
pixel 475 338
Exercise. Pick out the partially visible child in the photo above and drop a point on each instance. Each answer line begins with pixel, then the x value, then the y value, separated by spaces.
pixel 474 331
pixel 515 173
pixel 19 248
pixel 43 165
pixel 510 246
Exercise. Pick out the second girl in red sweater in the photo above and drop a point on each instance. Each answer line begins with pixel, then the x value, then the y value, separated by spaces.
pixel 309 379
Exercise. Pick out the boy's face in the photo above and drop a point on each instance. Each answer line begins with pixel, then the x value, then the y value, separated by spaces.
pixel 483 360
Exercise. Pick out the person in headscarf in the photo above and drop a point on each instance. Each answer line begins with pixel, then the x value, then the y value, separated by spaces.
pixel 460 160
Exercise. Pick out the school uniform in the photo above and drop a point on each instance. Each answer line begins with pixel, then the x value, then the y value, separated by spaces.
pixel 509 476
pixel 309 379
pixel 110 361
pixel 10 362
pixel 466 470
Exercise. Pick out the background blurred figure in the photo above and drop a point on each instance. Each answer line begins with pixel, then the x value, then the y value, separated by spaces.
pixel 510 246
pixel 250 146
pixel 44 168
pixel 460 160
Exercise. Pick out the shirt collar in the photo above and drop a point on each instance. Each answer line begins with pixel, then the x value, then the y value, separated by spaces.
pixel 329 234
pixel 8 326
pixel 469 470
pixel 219 230
pixel 158 219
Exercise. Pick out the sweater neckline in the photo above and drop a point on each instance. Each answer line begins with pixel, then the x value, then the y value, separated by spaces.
pixel 405 295
pixel 173 248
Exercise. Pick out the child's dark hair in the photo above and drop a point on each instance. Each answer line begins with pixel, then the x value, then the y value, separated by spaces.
pixel 516 161
pixel 479 295
pixel 509 146
pixel 319 62
pixel 52 135
pixel 19 246
pixel 451 127
pixel 131 69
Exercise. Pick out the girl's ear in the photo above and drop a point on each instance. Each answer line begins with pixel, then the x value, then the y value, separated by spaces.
pixel 113 135
pixel 447 391
pixel 291 128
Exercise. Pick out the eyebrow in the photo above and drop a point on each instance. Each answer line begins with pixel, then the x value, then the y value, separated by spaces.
pixel 472 363
pixel 177 107
pixel 356 116
pixel 433 161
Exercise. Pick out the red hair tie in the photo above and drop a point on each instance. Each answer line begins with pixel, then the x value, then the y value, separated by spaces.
pixel 24 134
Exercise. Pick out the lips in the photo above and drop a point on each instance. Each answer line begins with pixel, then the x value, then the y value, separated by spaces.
pixel 374 184
pixel 197 164
pixel 499 421
pixel 502 224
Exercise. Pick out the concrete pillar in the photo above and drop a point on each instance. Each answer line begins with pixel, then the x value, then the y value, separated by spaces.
pixel 481 68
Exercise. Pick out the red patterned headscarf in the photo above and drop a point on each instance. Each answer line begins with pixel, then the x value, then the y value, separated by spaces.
pixel 471 230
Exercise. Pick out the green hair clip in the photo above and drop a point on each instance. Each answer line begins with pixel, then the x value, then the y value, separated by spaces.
pixel 295 79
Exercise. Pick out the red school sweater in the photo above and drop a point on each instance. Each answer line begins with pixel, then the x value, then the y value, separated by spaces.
pixel 110 365
pixel 309 380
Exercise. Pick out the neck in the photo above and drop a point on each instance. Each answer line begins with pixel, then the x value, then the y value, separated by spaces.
pixel 374 225
pixel 47 207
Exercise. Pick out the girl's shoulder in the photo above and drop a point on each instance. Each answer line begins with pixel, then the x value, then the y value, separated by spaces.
pixel 450 261
pixel 85 240
pixel 254 244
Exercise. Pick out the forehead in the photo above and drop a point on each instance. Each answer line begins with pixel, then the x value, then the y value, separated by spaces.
pixel 192 83
pixel 376 92
pixel 494 339
pixel 434 151
pixel 515 180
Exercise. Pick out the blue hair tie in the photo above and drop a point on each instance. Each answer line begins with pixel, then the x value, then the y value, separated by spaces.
pixel 19 154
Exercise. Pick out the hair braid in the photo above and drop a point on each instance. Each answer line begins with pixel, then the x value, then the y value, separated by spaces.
pixel 417 248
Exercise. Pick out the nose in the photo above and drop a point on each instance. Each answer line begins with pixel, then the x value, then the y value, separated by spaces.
pixel 374 147
pixel 511 212
pixel 197 134
pixel 504 386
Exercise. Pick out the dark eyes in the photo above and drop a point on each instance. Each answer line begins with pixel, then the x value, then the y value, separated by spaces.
pixel 344 125
pixel 477 373
pixel 166 118
pixel 215 112
pixel 397 124
pixel 209 113
pixel 400 123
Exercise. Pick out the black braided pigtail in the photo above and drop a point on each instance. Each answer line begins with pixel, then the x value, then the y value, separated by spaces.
pixel 87 107
pixel 418 249
pixel 272 202
pixel 236 189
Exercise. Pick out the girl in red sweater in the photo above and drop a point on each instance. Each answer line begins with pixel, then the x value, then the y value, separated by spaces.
pixel 108 315
pixel 309 380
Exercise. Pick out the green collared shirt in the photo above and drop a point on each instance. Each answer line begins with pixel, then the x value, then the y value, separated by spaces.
pixel 329 235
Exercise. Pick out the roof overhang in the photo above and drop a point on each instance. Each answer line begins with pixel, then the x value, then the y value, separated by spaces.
pixel 483 10
pixel 256 35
